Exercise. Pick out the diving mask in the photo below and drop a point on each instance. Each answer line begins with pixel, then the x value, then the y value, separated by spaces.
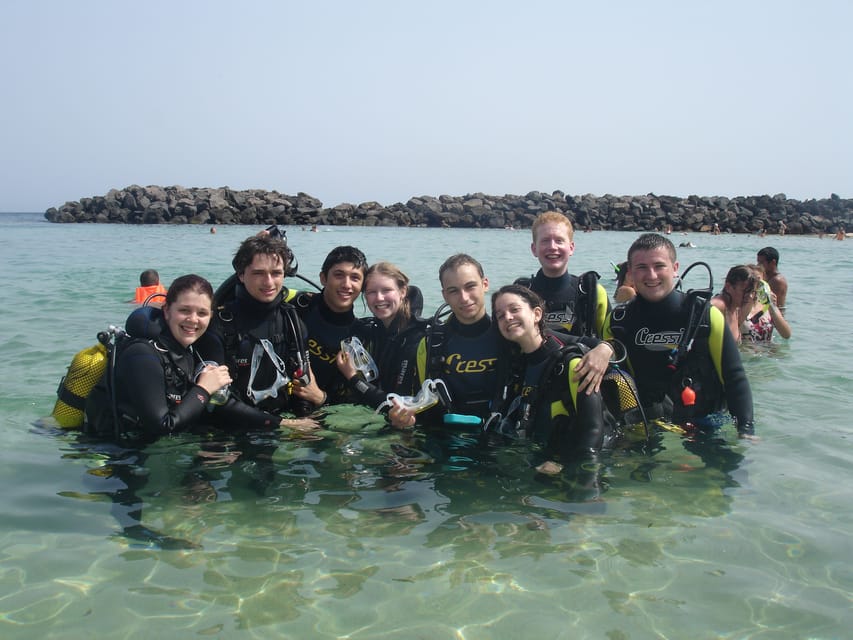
pixel 360 358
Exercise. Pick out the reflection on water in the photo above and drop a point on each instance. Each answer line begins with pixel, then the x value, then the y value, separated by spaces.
pixel 276 524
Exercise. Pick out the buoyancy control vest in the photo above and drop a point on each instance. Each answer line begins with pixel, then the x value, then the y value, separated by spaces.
pixel 539 399
pixel 578 304
pixel 243 324
pixel 105 413
pixel 394 351
pixel 464 357
pixel 684 361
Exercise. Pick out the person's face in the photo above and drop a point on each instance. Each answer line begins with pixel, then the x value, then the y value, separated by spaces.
pixel 465 291
pixel 742 292
pixel 764 264
pixel 341 286
pixel 517 320
pixel 553 248
pixel 188 316
pixel 654 273
pixel 383 297
pixel 264 277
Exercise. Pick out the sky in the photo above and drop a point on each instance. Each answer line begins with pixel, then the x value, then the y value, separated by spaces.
pixel 355 101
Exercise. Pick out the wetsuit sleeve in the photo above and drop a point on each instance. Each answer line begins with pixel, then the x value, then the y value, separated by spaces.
pixel 140 377
pixel 366 392
pixel 736 384
pixel 235 415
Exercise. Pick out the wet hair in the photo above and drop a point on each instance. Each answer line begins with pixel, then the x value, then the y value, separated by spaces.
pixel 757 271
pixel 458 260
pixel 770 254
pixel 344 254
pixel 190 282
pixel 552 216
pixel 741 273
pixel 261 245
pixel 532 299
pixel 392 271
pixel 650 242
pixel 621 274
pixel 148 278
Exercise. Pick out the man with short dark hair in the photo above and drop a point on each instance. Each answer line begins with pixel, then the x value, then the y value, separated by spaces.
pixel 679 348
pixel 263 339
pixel 329 317
pixel 768 259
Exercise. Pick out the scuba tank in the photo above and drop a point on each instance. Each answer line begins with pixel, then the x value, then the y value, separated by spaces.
pixel 85 370
pixel 88 366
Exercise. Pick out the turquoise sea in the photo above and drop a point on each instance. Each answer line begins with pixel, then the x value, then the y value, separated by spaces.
pixel 365 534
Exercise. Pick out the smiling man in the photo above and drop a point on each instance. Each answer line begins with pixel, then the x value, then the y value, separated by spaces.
pixel 463 352
pixel 263 340
pixel 680 351
pixel 329 317
pixel 566 299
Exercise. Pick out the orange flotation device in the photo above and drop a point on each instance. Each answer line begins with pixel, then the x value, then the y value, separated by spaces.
pixel 143 293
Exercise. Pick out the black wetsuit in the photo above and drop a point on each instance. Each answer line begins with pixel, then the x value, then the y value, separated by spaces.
pixel 468 364
pixel 240 324
pixel 395 354
pixel 156 395
pixel 542 400
pixel 561 300
pixel 326 329
pixel 651 330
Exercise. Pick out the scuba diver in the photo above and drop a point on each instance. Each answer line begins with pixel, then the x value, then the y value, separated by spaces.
pixel 330 319
pixel 390 337
pixel 578 303
pixel 679 349
pixel 260 335
pixel 542 398
pixel 157 383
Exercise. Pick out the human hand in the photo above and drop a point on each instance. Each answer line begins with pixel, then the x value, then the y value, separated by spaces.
pixel 592 367
pixel 213 378
pixel 311 391
pixel 345 365
pixel 301 425
pixel 400 417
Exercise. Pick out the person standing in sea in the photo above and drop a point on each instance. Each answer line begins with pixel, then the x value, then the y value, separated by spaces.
pixel 768 259
pixel 329 317
pixel 679 348
pixel 259 333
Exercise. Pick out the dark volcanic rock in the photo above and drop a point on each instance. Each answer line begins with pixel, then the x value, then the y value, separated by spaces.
pixel 178 205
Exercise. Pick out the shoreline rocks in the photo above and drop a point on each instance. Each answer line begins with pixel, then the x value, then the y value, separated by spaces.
pixel 219 206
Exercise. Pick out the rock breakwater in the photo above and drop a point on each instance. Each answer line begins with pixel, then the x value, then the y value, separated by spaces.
pixel 220 206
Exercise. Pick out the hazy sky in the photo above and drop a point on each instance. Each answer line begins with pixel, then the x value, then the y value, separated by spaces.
pixel 359 100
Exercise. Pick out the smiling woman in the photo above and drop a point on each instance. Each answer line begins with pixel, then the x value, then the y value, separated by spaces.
pixel 152 387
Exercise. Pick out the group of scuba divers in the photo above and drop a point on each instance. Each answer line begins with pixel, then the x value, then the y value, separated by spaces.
pixel 550 362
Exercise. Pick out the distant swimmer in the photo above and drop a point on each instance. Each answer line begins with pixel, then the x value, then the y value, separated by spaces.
pixel 212 229
pixel 687 244
pixel 149 290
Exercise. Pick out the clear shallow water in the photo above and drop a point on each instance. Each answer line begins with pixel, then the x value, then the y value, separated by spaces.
pixel 371 535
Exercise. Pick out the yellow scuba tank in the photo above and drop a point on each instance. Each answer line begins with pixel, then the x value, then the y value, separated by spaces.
pixel 86 369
